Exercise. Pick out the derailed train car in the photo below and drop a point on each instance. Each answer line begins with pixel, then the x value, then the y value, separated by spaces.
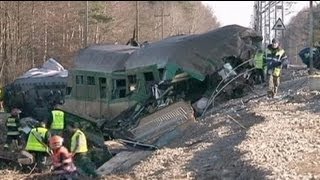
pixel 37 91
pixel 115 85
pixel 142 93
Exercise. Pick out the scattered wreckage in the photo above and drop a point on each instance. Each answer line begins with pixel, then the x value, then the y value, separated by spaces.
pixel 147 95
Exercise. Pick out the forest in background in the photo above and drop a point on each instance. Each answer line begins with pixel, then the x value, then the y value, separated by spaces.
pixel 33 31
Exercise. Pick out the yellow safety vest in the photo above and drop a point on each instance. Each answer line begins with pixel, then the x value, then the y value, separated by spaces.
pixel 57 120
pixel 33 144
pixel 82 140
pixel 258 60
pixel 279 53
pixel 277 70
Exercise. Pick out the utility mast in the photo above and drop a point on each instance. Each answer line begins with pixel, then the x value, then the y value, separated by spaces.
pixel 311 36
pixel 137 21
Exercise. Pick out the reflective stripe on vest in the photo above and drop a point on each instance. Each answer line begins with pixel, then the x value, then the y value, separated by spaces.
pixel 11 122
pixel 13 133
pixel 258 60
pixel 82 146
pixel 33 143
pixel 57 120
pixel 276 72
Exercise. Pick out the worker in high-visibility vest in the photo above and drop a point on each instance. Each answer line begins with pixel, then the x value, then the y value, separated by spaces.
pixel 37 144
pixel 79 149
pixel 276 58
pixel 57 122
pixel 260 64
pixel 13 129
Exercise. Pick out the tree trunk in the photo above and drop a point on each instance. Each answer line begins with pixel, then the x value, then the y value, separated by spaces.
pixel 32 36
pixel 63 30
pixel 5 44
pixel 46 36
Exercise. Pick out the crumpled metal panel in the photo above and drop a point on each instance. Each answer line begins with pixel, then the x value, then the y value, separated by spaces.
pixel 159 128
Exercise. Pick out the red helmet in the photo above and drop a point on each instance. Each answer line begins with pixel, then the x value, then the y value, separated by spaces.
pixel 56 142
pixel 15 111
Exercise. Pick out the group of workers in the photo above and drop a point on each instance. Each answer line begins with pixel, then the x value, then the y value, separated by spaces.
pixel 270 63
pixel 45 142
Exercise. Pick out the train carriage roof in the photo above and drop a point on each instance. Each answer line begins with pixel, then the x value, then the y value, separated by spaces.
pixel 198 55
pixel 106 58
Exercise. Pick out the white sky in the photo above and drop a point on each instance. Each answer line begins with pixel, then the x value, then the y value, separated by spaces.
pixel 240 12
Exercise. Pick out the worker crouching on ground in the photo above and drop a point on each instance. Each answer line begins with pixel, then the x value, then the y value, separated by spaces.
pixel 61 159
pixel 79 150
pixel 276 58
pixel 13 129
pixel 37 145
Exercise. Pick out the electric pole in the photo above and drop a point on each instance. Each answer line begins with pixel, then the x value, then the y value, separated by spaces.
pixel 162 15
pixel 137 21
pixel 311 37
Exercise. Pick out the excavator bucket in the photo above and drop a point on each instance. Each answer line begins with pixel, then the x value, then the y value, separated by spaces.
pixel 164 125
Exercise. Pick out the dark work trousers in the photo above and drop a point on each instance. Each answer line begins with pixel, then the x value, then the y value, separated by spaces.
pixel 259 78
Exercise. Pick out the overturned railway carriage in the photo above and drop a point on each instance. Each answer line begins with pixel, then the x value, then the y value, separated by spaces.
pixel 141 93
pixel 113 83
pixel 37 91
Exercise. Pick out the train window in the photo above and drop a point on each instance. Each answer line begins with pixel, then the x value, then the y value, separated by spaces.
pixel 90 80
pixel 161 72
pixel 119 88
pixel 69 90
pixel 102 80
pixel 79 79
pixel 132 79
pixel 148 76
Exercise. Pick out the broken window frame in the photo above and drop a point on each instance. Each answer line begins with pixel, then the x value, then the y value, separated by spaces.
pixel 116 89
pixel 91 81
pixel 79 80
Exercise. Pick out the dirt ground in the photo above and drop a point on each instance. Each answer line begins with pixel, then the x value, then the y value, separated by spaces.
pixel 248 138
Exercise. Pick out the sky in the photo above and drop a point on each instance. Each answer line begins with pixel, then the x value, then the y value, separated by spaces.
pixel 240 12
